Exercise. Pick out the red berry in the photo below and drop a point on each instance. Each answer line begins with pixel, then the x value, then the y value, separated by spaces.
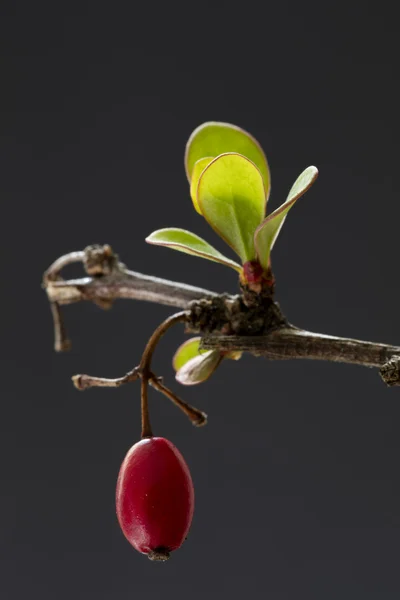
pixel 155 497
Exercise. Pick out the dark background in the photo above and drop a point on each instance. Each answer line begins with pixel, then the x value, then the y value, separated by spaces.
pixel 297 473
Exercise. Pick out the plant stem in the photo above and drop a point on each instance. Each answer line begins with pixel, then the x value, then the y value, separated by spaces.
pixel 61 341
pixel 112 280
pixel 197 417
pixel 115 281
pixel 83 382
pixel 151 345
pixel 145 367
pixel 147 431
pixel 289 343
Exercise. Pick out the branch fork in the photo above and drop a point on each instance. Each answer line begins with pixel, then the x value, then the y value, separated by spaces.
pixel 144 373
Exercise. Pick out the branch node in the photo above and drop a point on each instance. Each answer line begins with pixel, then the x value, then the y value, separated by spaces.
pixel 390 371
pixel 100 260
pixel 229 315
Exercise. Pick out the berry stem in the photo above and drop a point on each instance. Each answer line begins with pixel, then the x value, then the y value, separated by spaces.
pixel 151 345
pixel 147 431
pixel 145 368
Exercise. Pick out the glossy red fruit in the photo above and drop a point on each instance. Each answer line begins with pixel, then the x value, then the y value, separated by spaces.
pixel 155 497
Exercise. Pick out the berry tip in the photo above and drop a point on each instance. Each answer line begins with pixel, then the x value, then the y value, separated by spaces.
pixel 159 555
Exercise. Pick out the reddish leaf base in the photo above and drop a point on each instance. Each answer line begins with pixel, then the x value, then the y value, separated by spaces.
pixel 253 272
pixel 255 280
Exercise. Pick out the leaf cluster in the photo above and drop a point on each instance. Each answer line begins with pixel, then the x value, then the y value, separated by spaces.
pixel 230 183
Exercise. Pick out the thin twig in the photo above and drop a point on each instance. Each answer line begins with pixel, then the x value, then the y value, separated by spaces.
pixel 198 417
pixel 61 341
pixel 83 382
pixel 109 280
pixel 114 282
pixel 127 285
pixel 52 273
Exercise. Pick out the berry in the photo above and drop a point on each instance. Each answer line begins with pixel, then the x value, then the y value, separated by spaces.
pixel 155 497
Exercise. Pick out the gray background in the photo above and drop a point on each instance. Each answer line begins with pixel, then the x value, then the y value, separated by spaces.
pixel 297 473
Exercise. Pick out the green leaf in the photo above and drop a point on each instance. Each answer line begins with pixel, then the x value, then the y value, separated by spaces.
pixel 191 348
pixel 231 197
pixel 187 351
pixel 214 138
pixel 267 233
pixel 199 368
pixel 185 241
pixel 198 168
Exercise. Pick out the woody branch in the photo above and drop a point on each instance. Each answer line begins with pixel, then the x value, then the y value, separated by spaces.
pixel 107 279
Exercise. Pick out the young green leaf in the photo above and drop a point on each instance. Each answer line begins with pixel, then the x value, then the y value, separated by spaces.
pixel 214 138
pixel 267 233
pixel 231 197
pixel 198 168
pixel 190 243
pixel 199 368
pixel 187 351
pixel 191 348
